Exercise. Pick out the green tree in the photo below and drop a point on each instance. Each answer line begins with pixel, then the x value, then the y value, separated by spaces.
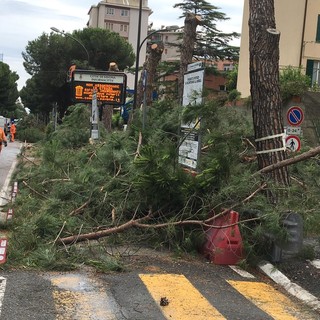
pixel 8 90
pixel 48 58
pixel 232 78
pixel 208 42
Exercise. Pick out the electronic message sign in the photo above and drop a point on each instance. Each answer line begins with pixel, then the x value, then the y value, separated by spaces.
pixel 109 86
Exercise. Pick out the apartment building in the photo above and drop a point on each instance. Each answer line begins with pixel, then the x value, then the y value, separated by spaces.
pixel 122 16
pixel 299 24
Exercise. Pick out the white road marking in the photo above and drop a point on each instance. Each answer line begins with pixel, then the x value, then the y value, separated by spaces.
pixel 242 273
pixel 291 287
pixel 3 283
pixel 316 263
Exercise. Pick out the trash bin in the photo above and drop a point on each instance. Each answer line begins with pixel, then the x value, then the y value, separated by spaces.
pixel 292 245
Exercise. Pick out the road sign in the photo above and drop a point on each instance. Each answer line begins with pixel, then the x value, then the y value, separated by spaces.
pixel 294 131
pixel 109 86
pixel 293 143
pixel 295 116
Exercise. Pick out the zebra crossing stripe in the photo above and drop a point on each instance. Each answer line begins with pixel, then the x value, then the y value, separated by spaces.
pixel 265 297
pixel 316 263
pixel 185 302
pixel 242 272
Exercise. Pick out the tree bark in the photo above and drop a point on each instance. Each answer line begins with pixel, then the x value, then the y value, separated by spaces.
pixel 107 110
pixel 107 116
pixel 265 89
pixel 189 39
pixel 150 66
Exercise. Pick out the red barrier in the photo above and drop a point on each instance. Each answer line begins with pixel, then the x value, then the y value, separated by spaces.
pixel 223 240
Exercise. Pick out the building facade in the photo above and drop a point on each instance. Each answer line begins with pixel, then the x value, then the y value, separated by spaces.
pixel 299 24
pixel 122 16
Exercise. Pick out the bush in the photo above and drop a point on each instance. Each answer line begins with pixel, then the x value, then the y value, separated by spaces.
pixel 293 82
pixel 30 135
pixel 234 95
pixel 30 129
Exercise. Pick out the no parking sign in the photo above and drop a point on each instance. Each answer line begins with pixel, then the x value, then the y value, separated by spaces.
pixel 295 116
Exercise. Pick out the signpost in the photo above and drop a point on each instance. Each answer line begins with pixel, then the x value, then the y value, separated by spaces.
pixel 94 117
pixel 110 86
pixel 295 117
pixel 192 94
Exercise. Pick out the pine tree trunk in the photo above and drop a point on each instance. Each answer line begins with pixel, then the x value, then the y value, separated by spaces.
pixel 265 89
pixel 189 39
pixel 107 112
pixel 107 116
pixel 153 59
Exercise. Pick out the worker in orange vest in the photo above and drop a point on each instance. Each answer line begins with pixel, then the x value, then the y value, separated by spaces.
pixel 3 139
pixel 13 131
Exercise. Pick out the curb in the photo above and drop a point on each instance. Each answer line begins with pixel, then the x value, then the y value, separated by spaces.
pixel 295 290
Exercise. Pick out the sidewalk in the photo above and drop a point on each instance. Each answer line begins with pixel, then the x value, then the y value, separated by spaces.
pixel 8 162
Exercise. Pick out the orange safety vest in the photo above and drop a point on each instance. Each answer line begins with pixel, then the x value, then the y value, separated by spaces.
pixel 2 135
pixel 13 128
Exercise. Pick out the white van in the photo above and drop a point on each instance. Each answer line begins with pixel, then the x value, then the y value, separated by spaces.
pixel 3 121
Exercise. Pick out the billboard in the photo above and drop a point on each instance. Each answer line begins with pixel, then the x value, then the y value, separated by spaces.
pixel 109 86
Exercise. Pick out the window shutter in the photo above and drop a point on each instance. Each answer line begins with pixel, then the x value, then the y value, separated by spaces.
pixel 318 30
pixel 309 68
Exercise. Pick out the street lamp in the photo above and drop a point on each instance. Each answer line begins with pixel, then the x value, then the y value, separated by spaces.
pixel 75 39
pixel 139 46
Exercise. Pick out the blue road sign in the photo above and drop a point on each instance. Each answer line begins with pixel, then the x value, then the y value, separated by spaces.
pixel 295 116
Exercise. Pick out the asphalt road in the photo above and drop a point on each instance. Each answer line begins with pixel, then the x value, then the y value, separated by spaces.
pixel 154 286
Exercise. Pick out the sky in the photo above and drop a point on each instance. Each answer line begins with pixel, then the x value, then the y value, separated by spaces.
pixel 22 21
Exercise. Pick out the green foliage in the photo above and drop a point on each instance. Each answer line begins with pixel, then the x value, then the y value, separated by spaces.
pixel 48 58
pixel 211 43
pixel 75 187
pixel 234 95
pixel 30 129
pixel 307 253
pixel 293 82
pixel 8 90
pixel 232 78
pixel 74 131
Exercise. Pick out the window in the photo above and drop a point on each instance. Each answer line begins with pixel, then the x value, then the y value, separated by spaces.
pixel 109 26
pixel 222 88
pixel 121 27
pixel 124 13
pixel 313 71
pixel 125 28
pixel 227 67
pixel 318 30
pixel 110 11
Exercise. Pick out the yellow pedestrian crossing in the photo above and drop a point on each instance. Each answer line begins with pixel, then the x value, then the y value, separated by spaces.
pixel 78 297
pixel 185 302
pixel 267 299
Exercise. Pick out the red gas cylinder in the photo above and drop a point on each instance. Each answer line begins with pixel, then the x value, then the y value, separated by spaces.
pixel 223 240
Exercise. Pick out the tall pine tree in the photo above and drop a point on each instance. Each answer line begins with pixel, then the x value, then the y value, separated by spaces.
pixel 206 43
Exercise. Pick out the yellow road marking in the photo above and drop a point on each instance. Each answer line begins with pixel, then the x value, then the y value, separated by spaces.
pixel 185 301
pixel 267 299
pixel 79 298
